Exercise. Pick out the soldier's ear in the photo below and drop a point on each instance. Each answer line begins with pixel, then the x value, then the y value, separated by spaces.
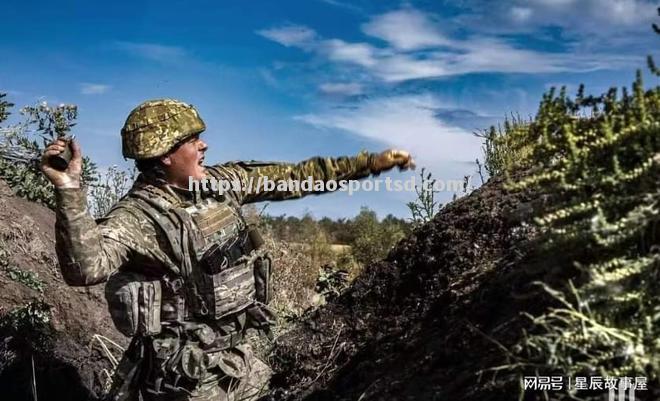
pixel 166 160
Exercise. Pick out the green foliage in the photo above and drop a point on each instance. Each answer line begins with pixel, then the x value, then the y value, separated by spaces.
pixel 425 206
pixel 331 282
pixel 20 151
pixel 372 239
pixel 28 327
pixel 337 231
pixel 5 106
pixel 505 148
pixel 27 278
pixel 368 238
pixel 108 189
pixel 599 158
pixel 22 145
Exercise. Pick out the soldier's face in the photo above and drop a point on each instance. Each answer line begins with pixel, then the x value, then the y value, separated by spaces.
pixel 186 162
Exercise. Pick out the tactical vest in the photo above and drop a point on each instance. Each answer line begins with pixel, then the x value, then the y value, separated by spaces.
pixel 220 273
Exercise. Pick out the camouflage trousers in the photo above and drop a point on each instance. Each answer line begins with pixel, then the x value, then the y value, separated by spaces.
pixel 214 385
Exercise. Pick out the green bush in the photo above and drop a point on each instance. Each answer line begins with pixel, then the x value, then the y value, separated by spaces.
pixel 506 149
pixel 21 146
pixel 331 282
pixel 20 149
pixel 108 188
pixel 28 327
pixel 599 159
pixel 373 239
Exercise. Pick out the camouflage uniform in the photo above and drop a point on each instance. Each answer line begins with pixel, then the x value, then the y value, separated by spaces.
pixel 186 275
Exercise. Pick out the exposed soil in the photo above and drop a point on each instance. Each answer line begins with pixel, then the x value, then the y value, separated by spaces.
pixel 427 322
pixel 70 366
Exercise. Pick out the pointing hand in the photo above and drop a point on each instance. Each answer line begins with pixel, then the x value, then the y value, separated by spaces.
pixel 393 157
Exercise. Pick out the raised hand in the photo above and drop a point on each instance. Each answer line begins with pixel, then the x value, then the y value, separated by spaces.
pixel 69 178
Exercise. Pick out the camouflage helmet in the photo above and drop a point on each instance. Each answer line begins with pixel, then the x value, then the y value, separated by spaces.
pixel 153 128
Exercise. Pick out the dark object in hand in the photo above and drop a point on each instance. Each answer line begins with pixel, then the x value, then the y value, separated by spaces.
pixel 61 162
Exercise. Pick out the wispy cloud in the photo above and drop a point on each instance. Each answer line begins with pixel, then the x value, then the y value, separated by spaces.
pixel 93 89
pixel 580 14
pixel 576 18
pixel 362 54
pixel 289 35
pixel 153 51
pixel 341 88
pixel 409 122
pixel 418 50
pixel 406 29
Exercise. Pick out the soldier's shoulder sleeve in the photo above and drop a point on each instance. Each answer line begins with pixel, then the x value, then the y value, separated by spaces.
pixel 90 250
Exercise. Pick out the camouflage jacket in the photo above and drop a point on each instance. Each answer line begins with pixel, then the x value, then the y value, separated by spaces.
pixel 89 251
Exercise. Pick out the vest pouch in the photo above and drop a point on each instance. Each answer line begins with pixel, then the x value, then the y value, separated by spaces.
pixel 262 278
pixel 193 362
pixel 134 302
pixel 227 292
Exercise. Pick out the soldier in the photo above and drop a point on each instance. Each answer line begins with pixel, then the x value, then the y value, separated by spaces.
pixel 186 276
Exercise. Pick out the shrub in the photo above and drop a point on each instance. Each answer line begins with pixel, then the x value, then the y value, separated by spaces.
pixel 108 189
pixel 28 327
pixel 599 158
pixel 507 148
pixel 20 154
pixel 371 239
pixel 20 151
pixel 425 206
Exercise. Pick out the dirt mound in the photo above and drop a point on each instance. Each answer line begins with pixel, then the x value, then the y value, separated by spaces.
pixel 42 318
pixel 423 323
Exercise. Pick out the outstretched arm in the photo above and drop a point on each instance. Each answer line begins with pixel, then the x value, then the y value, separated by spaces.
pixel 248 174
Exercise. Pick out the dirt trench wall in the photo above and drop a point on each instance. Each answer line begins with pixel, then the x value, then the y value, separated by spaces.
pixel 416 325
pixel 70 365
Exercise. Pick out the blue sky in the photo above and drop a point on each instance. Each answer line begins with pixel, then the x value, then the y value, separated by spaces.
pixel 287 80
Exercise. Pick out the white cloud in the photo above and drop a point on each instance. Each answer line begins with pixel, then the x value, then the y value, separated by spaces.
pixel 407 122
pixel 495 55
pixel 406 29
pixel 419 51
pixel 479 54
pixel 153 51
pixel 289 35
pixel 623 12
pixel 356 53
pixel 93 89
pixel 593 16
pixel 345 89
pixel 401 67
